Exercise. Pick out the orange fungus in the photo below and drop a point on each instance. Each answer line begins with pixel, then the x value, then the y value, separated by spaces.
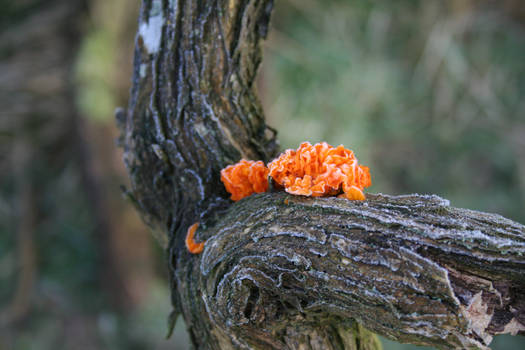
pixel 320 170
pixel 245 178
pixel 193 247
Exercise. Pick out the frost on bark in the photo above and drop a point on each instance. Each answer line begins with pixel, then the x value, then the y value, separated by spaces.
pixel 288 272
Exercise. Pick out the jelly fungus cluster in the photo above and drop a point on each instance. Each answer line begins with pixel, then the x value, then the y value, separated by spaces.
pixel 311 170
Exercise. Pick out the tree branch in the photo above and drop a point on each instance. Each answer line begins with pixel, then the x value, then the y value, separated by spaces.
pixel 193 108
pixel 288 272
pixel 411 268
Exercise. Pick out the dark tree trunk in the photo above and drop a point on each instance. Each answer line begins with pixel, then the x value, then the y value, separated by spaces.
pixel 288 272
pixel 40 126
pixel 36 60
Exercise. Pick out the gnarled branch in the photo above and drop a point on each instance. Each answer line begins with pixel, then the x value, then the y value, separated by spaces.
pixel 280 271
pixel 408 267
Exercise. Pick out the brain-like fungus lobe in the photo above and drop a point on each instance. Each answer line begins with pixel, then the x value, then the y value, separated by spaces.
pixel 245 178
pixel 320 170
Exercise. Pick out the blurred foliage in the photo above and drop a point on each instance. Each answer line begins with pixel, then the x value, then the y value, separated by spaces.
pixel 13 10
pixel 102 74
pixel 430 95
pixel 95 96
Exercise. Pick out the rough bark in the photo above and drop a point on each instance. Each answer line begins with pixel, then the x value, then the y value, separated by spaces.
pixel 281 271
pixel 409 267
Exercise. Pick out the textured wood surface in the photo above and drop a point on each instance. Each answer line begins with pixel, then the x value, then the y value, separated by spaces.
pixel 409 267
pixel 288 272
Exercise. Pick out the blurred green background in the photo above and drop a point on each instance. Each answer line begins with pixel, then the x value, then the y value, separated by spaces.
pixel 429 94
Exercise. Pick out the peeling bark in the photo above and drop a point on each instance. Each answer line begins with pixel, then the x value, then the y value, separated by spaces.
pixel 288 272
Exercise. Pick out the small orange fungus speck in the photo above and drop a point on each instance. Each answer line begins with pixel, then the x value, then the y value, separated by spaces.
pixel 320 170
pixel 193 247
pixel 245 178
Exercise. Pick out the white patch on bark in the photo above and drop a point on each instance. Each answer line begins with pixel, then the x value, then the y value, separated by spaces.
pixel 478 316
pixel 151 31
pixel 513 327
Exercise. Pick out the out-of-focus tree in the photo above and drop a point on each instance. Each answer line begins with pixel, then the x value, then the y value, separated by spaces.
pixel 75 262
